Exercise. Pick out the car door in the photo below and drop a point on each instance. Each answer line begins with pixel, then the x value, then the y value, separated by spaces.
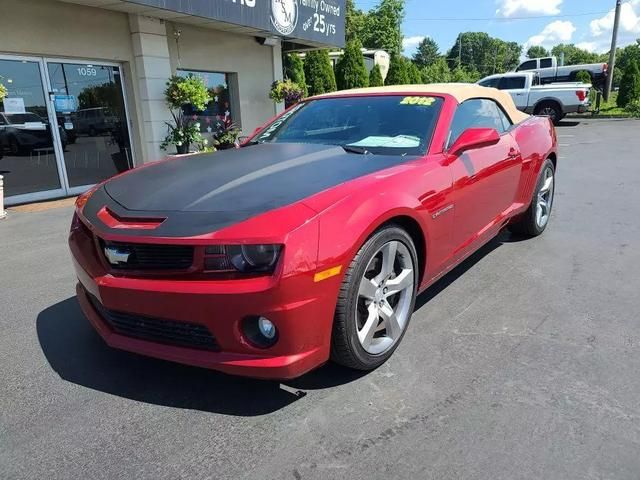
pixel 485 179
pixel 547 69
pixel 516 86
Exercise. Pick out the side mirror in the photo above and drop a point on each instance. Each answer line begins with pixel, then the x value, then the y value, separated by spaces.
pixel 474 138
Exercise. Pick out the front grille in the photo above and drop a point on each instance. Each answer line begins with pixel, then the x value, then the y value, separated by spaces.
pixel 170 332
pixel 147 256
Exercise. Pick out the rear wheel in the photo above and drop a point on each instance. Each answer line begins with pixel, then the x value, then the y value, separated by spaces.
pixel 376 300
pixel 535 220
pixel 551 110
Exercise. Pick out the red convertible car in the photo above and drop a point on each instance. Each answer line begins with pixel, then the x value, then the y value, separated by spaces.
pixel 312 240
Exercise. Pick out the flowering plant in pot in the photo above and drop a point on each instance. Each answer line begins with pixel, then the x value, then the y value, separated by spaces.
pixel 3 92
pixel 226 135
pixel 286 91
pixel 185 130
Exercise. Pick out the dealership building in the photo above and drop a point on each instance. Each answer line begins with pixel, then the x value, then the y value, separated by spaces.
pixel 85 79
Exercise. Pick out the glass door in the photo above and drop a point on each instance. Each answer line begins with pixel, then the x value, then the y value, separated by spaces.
pixel 63 127
pixel 89 106
pixel 28 160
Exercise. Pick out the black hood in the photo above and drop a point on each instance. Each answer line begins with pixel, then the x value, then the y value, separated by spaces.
pixel 203 193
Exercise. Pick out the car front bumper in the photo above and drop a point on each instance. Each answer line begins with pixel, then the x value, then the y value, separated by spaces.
pixel 301 309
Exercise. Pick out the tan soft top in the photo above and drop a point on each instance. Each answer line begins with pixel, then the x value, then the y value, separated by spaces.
pixel 459 91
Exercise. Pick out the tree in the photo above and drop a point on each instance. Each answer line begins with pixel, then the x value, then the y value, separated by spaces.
pixel 427 53
pixel 574 55
pixel 437 72
pixel 382 26
pixel 629 85
pixel 583 76
pixel 398 72
pixel 483 53
pixel 294 70
pixel 537 51
pixel 375 77
pixel 351 72
pixel 319 72
pixel 624 56
pixel 355 22
pixel 413 73
pixel 463 75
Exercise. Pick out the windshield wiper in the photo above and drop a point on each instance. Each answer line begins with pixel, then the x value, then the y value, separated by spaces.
pixel 248 144
pixel 358 150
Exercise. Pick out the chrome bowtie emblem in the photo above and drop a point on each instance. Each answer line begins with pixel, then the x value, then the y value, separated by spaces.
pixel 116 256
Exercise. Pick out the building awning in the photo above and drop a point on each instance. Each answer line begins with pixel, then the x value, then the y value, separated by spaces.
pixel 307 23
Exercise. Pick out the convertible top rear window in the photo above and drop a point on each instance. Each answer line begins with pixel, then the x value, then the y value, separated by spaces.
pixel 389 124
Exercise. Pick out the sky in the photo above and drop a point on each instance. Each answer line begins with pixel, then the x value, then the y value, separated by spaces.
pixel 587 23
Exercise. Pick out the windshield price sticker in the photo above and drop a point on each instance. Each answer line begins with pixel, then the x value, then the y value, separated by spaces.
pixel 425 101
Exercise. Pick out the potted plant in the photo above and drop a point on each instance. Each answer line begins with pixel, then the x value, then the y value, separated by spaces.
pixel 185 130
pixel 3 92
pixel 286 91
pixel 227 134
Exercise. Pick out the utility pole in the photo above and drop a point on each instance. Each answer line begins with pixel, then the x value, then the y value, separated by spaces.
pixel 460 52
pixel 612 53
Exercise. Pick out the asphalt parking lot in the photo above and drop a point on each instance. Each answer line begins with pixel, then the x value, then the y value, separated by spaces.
pixel 521 364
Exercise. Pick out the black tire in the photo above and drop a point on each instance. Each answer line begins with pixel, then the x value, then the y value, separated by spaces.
pixel 527 225
pixel 346 349
pixel 551 109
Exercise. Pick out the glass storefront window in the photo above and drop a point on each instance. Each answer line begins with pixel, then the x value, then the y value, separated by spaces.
pixel 219 112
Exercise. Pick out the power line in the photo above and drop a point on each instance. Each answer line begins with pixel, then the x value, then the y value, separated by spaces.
pixel 501 19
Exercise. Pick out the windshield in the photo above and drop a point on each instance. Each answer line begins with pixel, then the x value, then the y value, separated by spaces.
pixel 388 125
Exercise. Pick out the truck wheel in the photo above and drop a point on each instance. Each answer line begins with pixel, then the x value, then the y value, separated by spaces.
pixel 376 300
pixel 549 109
pixel 534 221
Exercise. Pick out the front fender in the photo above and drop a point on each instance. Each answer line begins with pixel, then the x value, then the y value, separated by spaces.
pixel 346 225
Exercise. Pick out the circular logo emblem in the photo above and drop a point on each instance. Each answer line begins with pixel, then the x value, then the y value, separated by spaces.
pixel 284 15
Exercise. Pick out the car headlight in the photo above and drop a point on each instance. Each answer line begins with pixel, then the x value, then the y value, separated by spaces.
pixel 260 258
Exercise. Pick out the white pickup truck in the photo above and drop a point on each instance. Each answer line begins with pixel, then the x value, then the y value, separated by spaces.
pixel 549 71
pixel 554 100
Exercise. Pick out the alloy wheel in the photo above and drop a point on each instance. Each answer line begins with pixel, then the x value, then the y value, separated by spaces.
pixel 545 198
pixel 385 297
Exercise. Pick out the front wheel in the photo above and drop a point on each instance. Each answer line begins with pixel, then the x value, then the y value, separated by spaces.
pixel 376 300
pixel 535 220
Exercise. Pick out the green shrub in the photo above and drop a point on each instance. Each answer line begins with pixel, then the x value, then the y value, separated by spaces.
pixel 294 70
pixel 629 85
pixel 351 72
pixel 633 108
pixel 319 72
pixel 414 73
pixel 398 71
pixel 375 77
pixel 583 76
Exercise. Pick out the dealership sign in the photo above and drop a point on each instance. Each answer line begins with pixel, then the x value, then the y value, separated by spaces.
pixel 320 21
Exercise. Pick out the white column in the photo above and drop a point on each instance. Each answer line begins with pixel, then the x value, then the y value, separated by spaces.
pixel 276 52
pixel 153 69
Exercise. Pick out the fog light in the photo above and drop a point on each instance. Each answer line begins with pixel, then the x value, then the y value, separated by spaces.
pixel 267 328
pixel 260 331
